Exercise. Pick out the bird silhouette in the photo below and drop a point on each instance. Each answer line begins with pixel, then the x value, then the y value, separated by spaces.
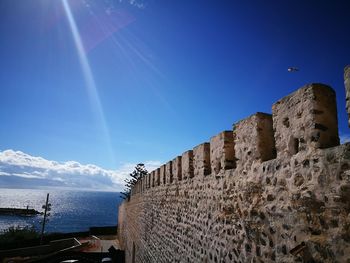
pixel 293 69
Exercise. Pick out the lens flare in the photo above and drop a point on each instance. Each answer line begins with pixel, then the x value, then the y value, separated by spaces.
pixel 88 76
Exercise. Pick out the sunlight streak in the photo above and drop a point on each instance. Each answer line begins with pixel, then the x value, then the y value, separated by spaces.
pixel 127 45
pixel 88 76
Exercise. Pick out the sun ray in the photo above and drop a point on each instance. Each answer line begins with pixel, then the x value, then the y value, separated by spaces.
pixel 128 44
pixel 88 76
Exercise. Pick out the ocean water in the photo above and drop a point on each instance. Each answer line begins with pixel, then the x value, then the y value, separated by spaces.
pixel 72 211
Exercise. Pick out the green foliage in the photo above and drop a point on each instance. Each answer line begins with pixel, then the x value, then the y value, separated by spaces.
pixel 15 234
pixel 139 172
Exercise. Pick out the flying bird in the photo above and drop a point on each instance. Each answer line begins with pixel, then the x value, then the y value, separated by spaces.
pixel 293 69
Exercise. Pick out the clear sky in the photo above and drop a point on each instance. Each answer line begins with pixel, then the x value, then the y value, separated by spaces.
pixel 113 83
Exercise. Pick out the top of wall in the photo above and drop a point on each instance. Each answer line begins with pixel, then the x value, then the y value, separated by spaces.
pixel 304 120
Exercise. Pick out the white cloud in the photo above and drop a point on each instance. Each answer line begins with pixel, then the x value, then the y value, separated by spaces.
pixel 66 174
pixel 344 138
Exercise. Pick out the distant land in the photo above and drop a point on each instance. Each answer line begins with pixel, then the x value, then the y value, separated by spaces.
pixel 14 182
pixel 17 182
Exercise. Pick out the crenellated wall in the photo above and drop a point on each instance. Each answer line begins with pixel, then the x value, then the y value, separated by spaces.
pixel 274 189
pixel 347 89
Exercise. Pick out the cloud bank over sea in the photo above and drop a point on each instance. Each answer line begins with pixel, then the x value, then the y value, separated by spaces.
pixel 21 170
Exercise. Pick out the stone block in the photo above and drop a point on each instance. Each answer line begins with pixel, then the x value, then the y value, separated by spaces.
pixel 162 175
pixel 201 159
pixel 305 120
pixel 347 90
pixel 158 176
pixel 222 154
pixel 187 164
pixel 254 140
pixel 138 186
pixel 169 172
pixel 153 175
pixel 177 169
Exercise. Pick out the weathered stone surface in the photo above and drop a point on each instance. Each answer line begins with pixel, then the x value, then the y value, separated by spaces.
pixel 137 187
pixel 347 90
pixel 158 176
pixel 162 175
pixel 169 172
pixel 153 178
pixel 222 152
pixel 187 165
pixel 201 159
pixel 143 184
pixel 254 140
pixel 177 169
pixel 292 208
pixel 305 120
pixel 140 186
pixel 146 181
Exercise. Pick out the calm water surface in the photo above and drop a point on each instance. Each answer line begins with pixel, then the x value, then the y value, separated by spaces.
pixel 72 211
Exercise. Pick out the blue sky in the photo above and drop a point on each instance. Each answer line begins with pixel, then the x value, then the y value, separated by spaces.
pixel 160 77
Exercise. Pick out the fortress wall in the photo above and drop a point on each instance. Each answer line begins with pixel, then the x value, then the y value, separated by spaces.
pixel 176 169
pixel 347 89
pixel 201 160
pixel 274 189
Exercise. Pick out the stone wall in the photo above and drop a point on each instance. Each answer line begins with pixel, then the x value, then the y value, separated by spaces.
pixel 274 189
pixel 347 89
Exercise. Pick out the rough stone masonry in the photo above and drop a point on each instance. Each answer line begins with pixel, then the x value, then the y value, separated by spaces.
pixel 274 189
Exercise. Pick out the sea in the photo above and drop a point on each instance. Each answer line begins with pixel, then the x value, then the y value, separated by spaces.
pixel 71 210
